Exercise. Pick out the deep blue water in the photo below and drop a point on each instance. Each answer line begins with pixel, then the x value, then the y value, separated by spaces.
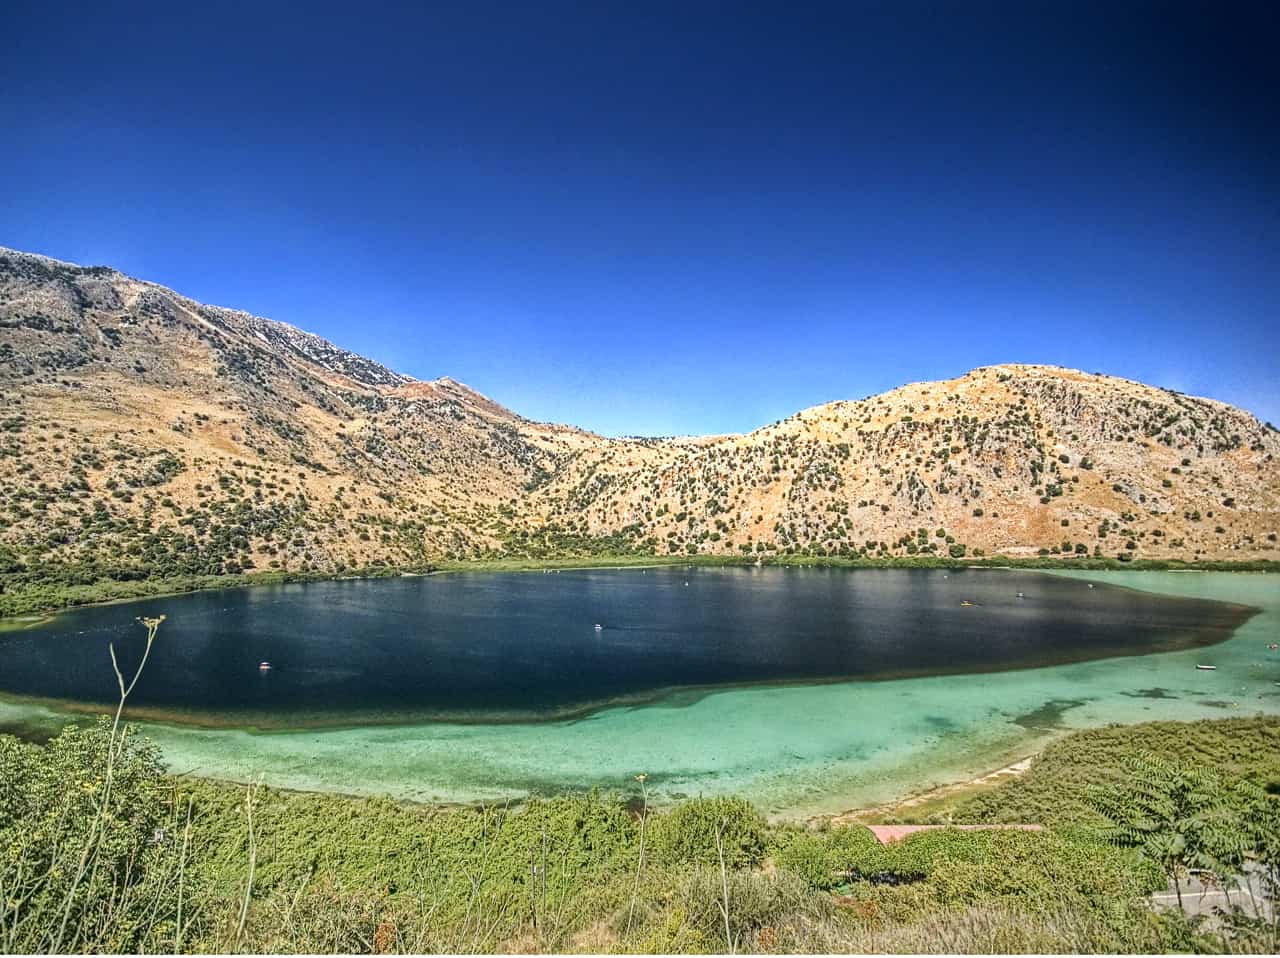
pixel 490 645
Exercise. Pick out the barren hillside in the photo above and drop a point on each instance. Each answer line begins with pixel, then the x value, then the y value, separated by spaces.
pixel 142 433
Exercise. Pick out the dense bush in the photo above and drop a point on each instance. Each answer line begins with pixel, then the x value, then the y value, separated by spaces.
pixel 90 860
pixel 830 858
pixel 689 832
pixel 1029 865
pixel 966 866
pixel 731 912
pixel 1056 789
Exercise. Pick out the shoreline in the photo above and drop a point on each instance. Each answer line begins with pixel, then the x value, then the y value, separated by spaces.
pixel 963 785
pixel 672 696
pixel 25 608
pixel 867 815
pixel 937 795
pixel 932 783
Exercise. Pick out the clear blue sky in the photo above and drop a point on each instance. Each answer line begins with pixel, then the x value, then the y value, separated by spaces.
pixel 649 218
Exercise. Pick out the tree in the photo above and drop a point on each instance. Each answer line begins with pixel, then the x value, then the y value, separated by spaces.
pixel 1260 815
pixel 1179 816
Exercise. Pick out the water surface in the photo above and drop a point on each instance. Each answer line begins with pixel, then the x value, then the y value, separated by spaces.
pixel 519 646
pixel 795 749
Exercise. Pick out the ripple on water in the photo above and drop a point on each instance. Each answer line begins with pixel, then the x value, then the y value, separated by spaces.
pixel 794 749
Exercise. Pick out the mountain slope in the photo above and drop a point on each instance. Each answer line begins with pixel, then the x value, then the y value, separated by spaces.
pixel 145 434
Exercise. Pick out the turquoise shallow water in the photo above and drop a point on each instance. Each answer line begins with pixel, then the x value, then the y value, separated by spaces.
pixel 794 750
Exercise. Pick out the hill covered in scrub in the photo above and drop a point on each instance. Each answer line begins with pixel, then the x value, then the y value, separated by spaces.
pixel 143 434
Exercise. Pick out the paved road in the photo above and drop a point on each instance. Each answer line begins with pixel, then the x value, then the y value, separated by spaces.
pixel 1201 899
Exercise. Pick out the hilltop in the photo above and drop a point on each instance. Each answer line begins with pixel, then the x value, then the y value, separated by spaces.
pixel 145 434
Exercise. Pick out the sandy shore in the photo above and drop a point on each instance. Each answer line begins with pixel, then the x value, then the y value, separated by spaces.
pixel 895 808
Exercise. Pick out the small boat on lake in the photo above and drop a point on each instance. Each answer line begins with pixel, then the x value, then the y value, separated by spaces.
pixel 966 604
pixel 599 627
pixel 264 666
pixel 1207 668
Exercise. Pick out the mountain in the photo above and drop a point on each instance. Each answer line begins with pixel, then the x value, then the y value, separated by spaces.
pixel 145 434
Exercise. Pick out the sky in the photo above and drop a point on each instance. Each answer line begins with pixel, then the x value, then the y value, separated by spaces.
pixel 657 219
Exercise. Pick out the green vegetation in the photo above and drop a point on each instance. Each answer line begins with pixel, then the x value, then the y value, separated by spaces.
pixel 103 851
pixel 196 866
pixel 1056 789
pixel 52 589
pixel 186 865
pixel 1181 817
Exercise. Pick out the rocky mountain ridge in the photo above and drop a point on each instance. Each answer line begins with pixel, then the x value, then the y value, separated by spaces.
pixel 144 433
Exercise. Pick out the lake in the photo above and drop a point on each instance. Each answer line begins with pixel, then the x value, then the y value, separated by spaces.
pixel 532 646
pixel 940 692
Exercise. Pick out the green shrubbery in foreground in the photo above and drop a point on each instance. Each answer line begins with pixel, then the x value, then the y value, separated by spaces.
pixel 1056 789
pixel 102 851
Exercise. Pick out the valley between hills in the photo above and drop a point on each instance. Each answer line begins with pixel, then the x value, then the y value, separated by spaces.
pixel 146 436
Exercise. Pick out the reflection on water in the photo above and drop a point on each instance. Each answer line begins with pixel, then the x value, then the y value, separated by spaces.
pixel 504 646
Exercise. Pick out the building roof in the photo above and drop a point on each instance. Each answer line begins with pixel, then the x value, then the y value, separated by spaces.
pixel 891 833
